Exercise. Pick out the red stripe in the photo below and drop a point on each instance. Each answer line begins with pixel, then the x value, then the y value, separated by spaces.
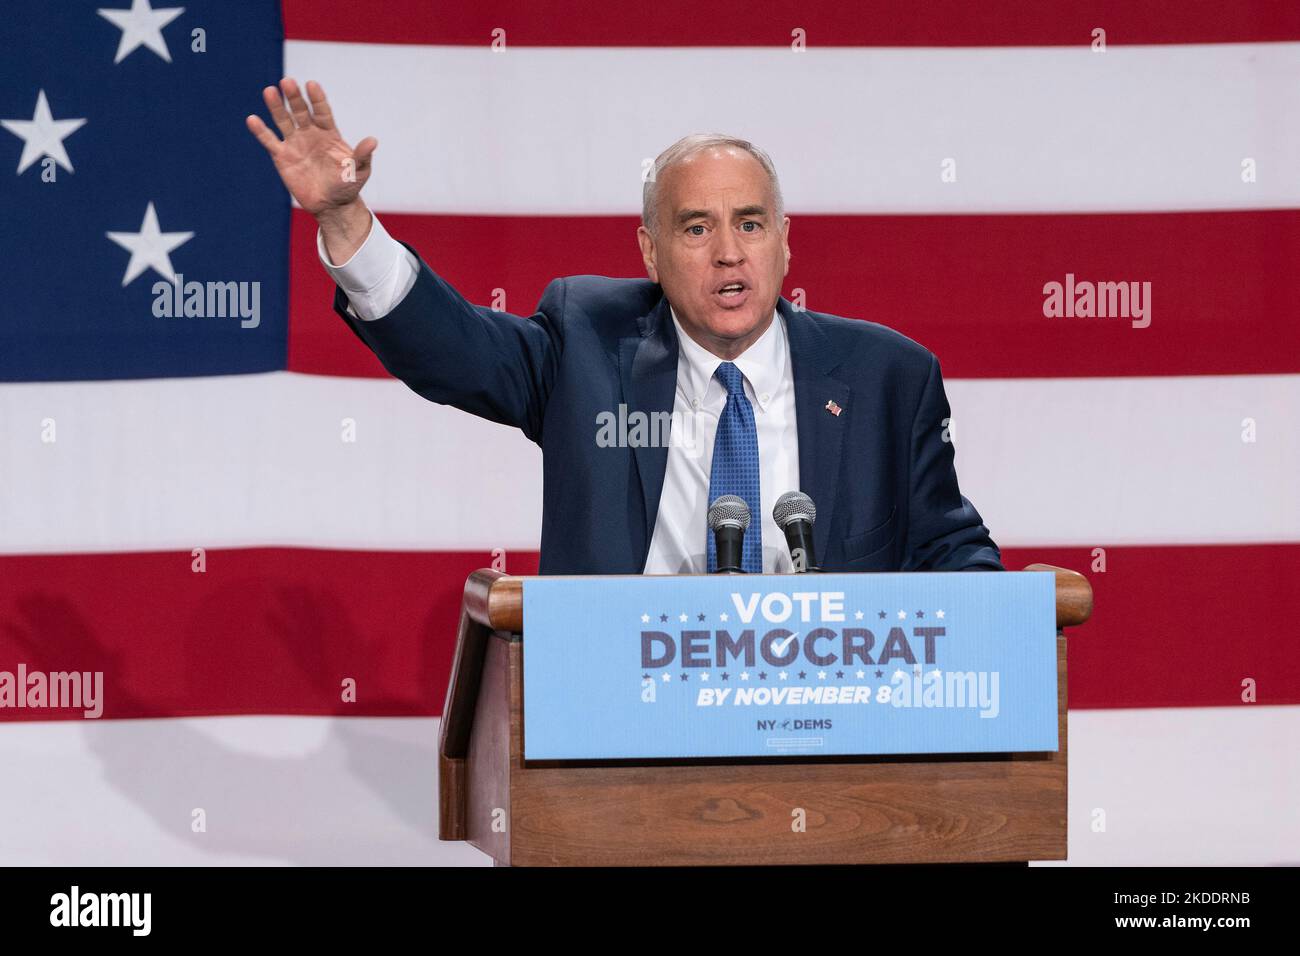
pixel 898 23
pixel 262 631
pixel 1224 292
pixel 277 630
pixel 1183 626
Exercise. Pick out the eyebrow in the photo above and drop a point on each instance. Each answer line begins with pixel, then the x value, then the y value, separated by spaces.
pixel 754 209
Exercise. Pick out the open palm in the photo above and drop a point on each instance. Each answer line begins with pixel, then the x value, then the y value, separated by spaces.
pixel 319 169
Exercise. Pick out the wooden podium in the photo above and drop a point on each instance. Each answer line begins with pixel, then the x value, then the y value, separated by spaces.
pixel 923 808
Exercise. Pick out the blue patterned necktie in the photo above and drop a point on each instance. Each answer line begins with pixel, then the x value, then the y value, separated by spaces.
pixel 735 467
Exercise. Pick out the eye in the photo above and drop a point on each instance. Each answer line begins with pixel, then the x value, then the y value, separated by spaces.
pixel 751 222
pixel 696 226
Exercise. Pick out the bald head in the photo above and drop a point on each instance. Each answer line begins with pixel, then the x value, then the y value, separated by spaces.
pixel 683 150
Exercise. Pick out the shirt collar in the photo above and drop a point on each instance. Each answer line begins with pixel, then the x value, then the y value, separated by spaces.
pixel 763 364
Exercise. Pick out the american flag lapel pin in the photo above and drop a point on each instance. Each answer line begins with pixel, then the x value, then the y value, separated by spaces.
pixel 833 408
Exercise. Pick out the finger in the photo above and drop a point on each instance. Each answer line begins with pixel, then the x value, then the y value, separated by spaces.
pixel 365 149
pixel 297 105
pixel 280 116
pixel 263 134
pixel 321 113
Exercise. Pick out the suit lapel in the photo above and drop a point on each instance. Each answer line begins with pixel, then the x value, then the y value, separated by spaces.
pixel 648 369
pixel 821 429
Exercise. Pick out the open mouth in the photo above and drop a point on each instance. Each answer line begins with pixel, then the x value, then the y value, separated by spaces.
pixel 732 294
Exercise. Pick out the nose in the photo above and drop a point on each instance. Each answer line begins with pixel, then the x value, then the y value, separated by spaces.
pixel 728 251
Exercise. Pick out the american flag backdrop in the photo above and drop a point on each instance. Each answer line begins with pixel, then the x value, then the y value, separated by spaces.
pixel 230 515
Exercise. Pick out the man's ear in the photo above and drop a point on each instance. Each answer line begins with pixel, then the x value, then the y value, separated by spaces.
pixel 647 243
pixel 785 241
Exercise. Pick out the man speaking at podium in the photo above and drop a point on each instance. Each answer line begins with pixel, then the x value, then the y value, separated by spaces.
pixel 773 399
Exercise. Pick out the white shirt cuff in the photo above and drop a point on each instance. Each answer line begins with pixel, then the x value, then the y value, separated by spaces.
pixel 377 277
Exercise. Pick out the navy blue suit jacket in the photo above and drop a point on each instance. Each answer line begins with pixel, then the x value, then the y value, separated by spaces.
pixel 880 472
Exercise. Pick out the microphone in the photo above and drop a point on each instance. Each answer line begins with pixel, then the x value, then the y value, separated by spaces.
pixel 728 520
pixel 794 514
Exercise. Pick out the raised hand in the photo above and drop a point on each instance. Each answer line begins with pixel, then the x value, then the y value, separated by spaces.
pixel 322 172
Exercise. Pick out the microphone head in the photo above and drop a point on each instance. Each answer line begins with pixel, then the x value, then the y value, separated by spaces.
pixel 729 511
pixel 794 506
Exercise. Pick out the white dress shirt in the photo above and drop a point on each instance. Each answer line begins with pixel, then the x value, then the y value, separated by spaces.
pixel 378 275
pixel 382 271
pixel 680 540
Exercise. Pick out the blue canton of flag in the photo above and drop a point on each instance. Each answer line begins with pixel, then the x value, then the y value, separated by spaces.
pixel 124 162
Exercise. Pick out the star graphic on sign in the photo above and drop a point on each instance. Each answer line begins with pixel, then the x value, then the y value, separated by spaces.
pixel 857 615
pixel 682 617
pixel 880 673
pixel 783 675
pixel 881 615
pixel 43 135
pixel 920 614
pixel 839 675
pixel 141 26
pixel 645 618
pixel 646 677
pixel 744 675
pixel 663 618
pixel 762 675
pixel 821 675
pixel 861 674
pixel 150 248
pixel 667 678
pixel 939 615
pixel 725 675
pixel 722 616
pixel 704 676
pixel 684 677
pixel 902 615
pixel 701 617
pixel 803 675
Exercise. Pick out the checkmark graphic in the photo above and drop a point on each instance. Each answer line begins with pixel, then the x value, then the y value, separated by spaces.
pixel 778 647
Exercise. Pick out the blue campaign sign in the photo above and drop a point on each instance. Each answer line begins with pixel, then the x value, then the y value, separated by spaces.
pixel 773 665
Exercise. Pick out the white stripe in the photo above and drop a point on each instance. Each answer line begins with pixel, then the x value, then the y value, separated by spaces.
pixel 1178 786
pixel 851 130
pixel 1160 460
pixel 248 460
pixel 1184 786
pixel 308 791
